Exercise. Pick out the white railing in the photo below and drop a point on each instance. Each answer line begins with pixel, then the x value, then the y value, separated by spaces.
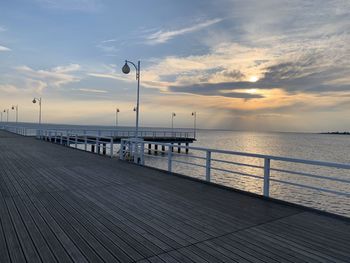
pixel 97 144
pixel 129 133
pixel 118 132
pixel 19 130
pixel 211 161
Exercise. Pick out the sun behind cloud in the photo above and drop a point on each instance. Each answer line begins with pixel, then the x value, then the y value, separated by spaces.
pixel 253 79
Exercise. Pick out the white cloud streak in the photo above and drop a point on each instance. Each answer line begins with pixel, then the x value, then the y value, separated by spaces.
pixel 56 77
pixel 2 48
pixel 92 90
pixel 161 36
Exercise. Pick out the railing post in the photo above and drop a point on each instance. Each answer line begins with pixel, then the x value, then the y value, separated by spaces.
pixel 97 146
pixel 85 142
pixel 111 150
pixel 135 151
pixel 142 152
pixel 207 166
pixel 267 177
pixel 121 151
pixel 170 155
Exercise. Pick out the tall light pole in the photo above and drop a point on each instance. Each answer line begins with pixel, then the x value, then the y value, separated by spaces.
pixel 7 115
pixel 15 107
pixel 116 117
pixel 173 114
pixel 194 114
pixel 126 70
pixel 34 101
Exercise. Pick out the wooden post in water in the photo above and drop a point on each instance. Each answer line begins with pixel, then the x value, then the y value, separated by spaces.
pixel 149 148
pixel 156 149
pixel 187 148
pixel 178 148
pixel 92 148
pixel 163 149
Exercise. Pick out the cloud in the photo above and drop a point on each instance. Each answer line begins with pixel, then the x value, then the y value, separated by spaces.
pixel 92 90
pixel 27 86
pixel 56 77
pixel 218 89
pixel 3 29
pixel 161 36
pixel 8 88
pixel 107 76
pixel 2 48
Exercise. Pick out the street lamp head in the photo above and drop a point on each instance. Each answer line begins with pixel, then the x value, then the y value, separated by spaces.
pixel 34 100
pixel 174 114
pixel 134 109
pixel 126 68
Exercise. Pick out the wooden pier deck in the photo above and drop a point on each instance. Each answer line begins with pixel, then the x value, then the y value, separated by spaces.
pixel 58 204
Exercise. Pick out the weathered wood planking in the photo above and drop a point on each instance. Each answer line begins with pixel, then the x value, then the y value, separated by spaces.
pixel 58 204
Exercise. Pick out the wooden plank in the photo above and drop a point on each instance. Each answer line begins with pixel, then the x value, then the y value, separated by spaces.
pixel 51 239
pixel 59 204
pixel 64 238
pixel 35 236
pixel 144 246
pixel 115 244
pixel 268 248
pixel 85 241
pixel 13 244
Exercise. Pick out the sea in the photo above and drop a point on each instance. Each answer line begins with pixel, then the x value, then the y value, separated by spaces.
pixel 308 146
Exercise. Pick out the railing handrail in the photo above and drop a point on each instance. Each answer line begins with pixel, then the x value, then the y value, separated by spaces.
pixel 255 155
pixel 145 132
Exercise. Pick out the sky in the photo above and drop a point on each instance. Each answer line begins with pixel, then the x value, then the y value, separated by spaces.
pixel 272 65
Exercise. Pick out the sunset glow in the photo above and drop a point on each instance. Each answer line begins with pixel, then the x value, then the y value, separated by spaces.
pixel 233 61
pixel 253 79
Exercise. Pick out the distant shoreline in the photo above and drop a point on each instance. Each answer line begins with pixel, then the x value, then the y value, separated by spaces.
pixel 336 133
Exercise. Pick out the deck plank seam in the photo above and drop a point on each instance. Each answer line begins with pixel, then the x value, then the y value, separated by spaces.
pixel 226 234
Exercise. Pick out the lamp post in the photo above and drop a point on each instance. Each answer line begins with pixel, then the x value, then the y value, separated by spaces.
pixel 116 117
pixel 34 101
pixel 194 114
pixel 15 107
pixel 126 70
pixel 7 114
pixel 173 114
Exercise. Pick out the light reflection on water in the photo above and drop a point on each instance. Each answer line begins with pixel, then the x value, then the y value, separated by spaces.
pixel 330 148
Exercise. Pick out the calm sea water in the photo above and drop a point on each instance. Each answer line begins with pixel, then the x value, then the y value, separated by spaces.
pixel 321 147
